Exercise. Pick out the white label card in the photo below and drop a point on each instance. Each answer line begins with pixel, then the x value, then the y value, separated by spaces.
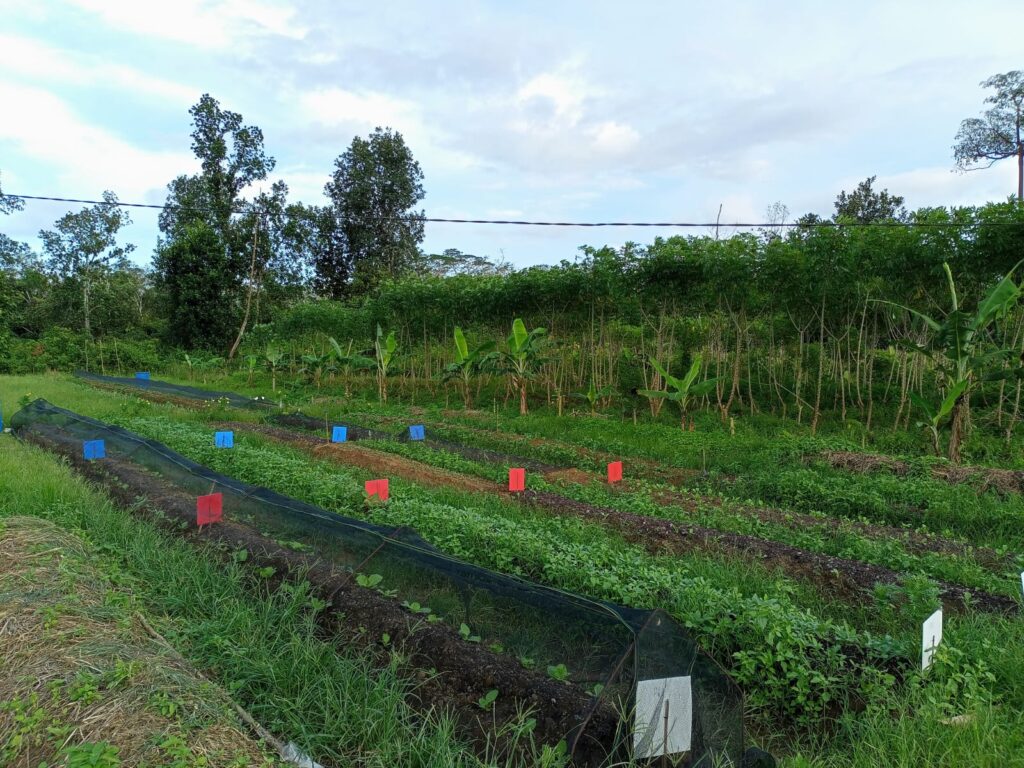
pixel 931 636
pixel 654 735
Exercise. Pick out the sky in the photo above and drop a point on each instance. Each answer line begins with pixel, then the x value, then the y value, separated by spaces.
pixel 571 110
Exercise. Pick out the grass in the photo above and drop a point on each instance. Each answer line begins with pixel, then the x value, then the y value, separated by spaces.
pixel 337 705
pixel 967 710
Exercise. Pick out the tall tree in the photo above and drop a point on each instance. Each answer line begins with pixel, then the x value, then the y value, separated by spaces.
pixel 316 238
pixel 81 245
pixel 193 279
pixel 866 206
pixel 374 190
pixel 232 158
pixel 996 135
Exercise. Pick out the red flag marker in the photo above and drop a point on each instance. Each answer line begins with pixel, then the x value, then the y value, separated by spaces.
pixel 614 471
pixel 517 479
pixel 378 488
pixel 209 509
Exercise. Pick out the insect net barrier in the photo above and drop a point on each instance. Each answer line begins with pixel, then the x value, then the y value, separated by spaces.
pixel 597 643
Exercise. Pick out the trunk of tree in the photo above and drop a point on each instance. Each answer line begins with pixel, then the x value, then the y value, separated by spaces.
pixel 958 428
pixel 249 293
pixel 522 397
pixel 1020 173
pixel 85 306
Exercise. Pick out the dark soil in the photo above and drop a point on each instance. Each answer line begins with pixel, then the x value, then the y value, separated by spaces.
pixel 1003 481
pixel 848 578
pixel 913 541
pixel 465 671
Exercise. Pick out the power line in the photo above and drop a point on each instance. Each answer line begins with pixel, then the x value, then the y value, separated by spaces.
pixel 529 223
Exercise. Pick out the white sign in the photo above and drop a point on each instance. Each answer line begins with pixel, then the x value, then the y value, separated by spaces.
pixel 664 717
pixel 931 636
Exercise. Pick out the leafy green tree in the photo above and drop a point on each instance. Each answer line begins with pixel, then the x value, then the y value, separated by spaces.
pixel 595 395
pixel 203 213
pixel 680 391
pixel 81 244
pixel 314 235
pixel 962 349
pixel 193 279
pixel 866 206
pixel 523 358
pixel 996 135
pixel 467 363
pixel 374 189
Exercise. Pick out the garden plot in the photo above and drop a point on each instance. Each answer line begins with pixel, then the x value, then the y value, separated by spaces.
pixel 469 671
pixel 655 534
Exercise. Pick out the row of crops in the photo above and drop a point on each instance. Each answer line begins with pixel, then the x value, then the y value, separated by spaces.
pixel 805 655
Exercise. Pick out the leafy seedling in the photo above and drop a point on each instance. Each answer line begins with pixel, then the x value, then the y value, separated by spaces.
pixel 486 701
pixel 558 672
pixel 369 581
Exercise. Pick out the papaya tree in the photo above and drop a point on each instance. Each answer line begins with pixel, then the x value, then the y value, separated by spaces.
pixel 965 356
pixel 385 348
pixel 523 358
pixel 467 363
pixel 680 391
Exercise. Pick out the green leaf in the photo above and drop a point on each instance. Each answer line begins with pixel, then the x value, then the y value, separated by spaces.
pixel 519 336
pixel 461 348
pixel 951 397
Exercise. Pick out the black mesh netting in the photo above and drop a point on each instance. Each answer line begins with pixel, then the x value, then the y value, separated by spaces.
pixel 176 390
pixel 311 423
pixel 602 648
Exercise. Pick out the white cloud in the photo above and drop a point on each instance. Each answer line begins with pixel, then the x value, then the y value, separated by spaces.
pixel 942 186
pixel 338 107
pixel 33 60
pixel 86 158
pixel 197 22
pixel 614 137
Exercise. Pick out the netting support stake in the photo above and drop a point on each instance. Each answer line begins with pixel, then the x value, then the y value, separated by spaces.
pixel 358 568
pixel 664 741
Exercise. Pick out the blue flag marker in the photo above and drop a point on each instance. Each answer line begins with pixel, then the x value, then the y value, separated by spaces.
pixel 224 439
pixel 142 375
pixel 339 434
pixel 1 418
pixel 416 432
pixel 94 449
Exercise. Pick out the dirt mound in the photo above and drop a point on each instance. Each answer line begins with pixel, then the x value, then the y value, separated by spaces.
pixel 1003 481
pixel 79 674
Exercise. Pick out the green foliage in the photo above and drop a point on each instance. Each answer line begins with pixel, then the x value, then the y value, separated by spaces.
pixel 374 189
pixel 681 390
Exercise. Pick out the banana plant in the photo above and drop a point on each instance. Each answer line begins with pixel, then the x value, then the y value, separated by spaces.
pixel 385 348
pixel 523 358
pixel 315 366
pixel 964 355
pixel 251 362
pixel 593 395
pixel 467 364
pixel 347 362
pixel 273 357
pixel 680 391
pixel 191 363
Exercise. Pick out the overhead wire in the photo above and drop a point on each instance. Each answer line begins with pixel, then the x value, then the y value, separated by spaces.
pixel 533 223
